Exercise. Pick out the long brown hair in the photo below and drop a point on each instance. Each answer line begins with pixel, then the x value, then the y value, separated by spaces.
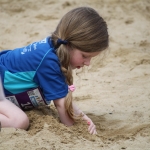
pixel 84 29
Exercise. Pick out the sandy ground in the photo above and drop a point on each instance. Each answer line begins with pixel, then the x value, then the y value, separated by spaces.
pixel 114 92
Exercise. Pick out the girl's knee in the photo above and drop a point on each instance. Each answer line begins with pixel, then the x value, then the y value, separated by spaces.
pixel 22 122
pixel 25 123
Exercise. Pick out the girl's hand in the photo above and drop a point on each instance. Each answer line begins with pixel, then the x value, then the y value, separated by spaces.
pixel 92 127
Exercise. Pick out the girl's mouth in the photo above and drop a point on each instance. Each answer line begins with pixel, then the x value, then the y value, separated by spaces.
pixel 78 67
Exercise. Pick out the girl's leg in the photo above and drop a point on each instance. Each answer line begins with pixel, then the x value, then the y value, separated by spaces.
pixel 10 114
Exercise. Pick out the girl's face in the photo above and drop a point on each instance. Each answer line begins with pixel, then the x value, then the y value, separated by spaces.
pixel 78 58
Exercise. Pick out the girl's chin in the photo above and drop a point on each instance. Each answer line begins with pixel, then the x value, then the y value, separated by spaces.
pixel 76 67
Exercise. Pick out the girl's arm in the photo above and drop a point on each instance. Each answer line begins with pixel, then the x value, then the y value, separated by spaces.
pixel 65 119
pixel 60 106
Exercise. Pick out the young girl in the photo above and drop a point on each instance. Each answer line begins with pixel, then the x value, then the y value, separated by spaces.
pixel 45 68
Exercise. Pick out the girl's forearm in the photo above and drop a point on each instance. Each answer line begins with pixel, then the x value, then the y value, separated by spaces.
pixel 64 117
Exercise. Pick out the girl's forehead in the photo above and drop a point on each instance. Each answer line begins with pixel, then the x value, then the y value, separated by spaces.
pixel 90 54
pixel 87 54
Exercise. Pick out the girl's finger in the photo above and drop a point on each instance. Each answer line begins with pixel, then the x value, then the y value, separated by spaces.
pixel 88 122
pixel 92 129
pixel 94 132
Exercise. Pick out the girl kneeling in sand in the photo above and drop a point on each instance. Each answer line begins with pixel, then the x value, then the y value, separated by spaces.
pixel 42 71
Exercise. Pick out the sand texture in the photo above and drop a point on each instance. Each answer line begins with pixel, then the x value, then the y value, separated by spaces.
pixel 114 92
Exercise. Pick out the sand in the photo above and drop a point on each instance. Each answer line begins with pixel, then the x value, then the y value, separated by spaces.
pixel 114 92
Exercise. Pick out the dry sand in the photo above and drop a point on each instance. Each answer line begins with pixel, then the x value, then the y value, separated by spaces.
pixel 114 92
